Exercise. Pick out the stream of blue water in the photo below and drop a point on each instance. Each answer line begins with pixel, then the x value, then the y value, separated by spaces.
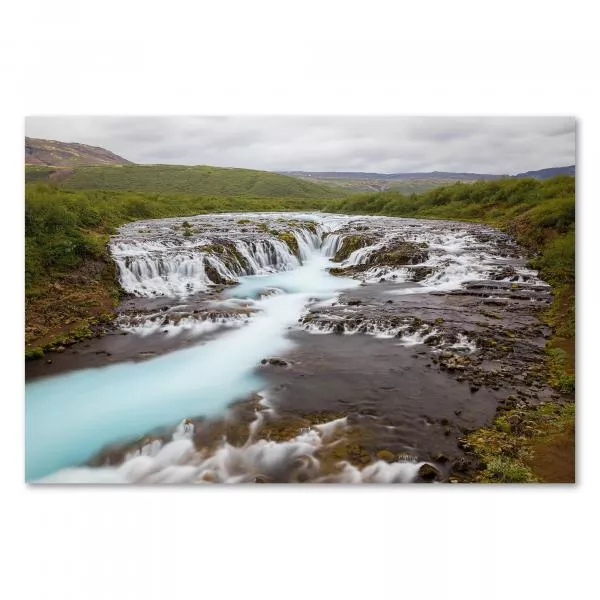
pixel 69 418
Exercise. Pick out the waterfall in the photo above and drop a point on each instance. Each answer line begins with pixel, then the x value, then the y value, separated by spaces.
pixel 308 242
pixel 331 244
pixel 159 268
pixel 266 256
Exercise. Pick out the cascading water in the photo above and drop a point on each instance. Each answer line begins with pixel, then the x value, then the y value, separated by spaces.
pixel 69 418
pixel 331 244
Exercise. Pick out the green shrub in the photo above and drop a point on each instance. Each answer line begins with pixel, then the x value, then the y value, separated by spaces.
pixel 34 353
pixel 505 470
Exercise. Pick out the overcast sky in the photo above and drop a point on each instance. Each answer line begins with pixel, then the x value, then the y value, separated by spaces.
pixel 499 145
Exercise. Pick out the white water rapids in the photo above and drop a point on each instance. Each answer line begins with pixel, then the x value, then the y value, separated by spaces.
pixel 70 418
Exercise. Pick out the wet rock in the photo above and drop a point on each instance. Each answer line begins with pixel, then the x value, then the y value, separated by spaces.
pixel 507 272
pixel 513 420
pixel 60 349
pixel 370 412
pixel 428 472
pixel 464 445
pixel 354 302
pixel 440 458
pixel 275 362
pixel 338 328
pixel 386 455
pixel 420 273
pixel 350 243
pixel 460 465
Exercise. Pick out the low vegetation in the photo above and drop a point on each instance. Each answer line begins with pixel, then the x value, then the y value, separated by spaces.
pixel 176 179
pixel 527 445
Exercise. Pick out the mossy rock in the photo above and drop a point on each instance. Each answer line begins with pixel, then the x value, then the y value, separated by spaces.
pixel 215 277
pixel 428 472
pixel 229 254
pixel 290 239
pixel 350 244
pixel 420 273
pixel 400 253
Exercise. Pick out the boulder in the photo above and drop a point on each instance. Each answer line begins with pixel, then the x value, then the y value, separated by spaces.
pixel 428 472
pixel 275 362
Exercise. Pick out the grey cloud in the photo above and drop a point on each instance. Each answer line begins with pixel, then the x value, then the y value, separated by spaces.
pixel 325 143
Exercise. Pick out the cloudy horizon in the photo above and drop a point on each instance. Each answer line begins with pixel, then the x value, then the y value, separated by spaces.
pixel 494 145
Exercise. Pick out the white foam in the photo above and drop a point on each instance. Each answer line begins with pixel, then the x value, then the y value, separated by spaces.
pixel 178 462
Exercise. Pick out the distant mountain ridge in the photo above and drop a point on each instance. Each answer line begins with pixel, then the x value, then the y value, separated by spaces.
pixel 62 154
pixel 409 183
pixel 390 176
pixel 547 173
pixel 540 174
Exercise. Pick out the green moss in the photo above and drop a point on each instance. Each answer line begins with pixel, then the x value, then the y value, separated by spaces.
pixel 215 277
pixel 34 353
pixel 290 240
pixel 491 315
pixel 508 447
pixel 350 244
pixel 502 424
pixel 506 470
pixel 229 254
pixel 558 375
pixel 402 253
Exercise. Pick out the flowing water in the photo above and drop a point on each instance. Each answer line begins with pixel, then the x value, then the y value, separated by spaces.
pixel 260 286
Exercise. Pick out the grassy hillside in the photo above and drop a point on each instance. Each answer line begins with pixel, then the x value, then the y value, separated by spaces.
pixel 70 279
pixel 374 184
pixel 200 180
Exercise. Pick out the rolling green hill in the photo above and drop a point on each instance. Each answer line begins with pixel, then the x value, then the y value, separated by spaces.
pixel 175 179
pixel 355 185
